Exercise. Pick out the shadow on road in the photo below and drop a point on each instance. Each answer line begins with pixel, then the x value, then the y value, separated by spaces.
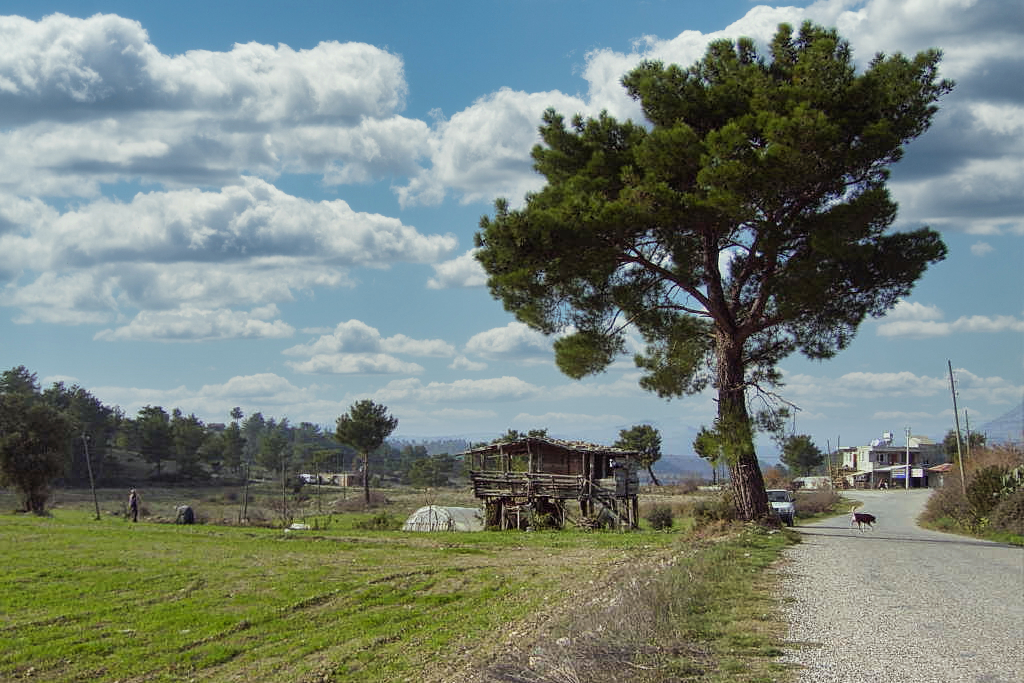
pixel 875 536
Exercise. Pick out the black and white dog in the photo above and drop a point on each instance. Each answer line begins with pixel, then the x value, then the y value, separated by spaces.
pixel 861 519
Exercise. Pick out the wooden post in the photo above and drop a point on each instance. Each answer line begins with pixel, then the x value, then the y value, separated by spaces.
pixel 92 483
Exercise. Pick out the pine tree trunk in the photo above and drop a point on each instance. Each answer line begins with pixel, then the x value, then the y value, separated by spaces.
pixel 737 435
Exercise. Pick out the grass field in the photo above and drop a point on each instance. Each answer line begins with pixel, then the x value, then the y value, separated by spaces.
pixel 108 600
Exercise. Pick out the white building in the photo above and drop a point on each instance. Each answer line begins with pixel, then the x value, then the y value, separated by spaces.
pixel 884 464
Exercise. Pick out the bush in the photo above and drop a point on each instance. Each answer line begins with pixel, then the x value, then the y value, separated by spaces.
pixel 381 521
pixel 816 502
pixel 947 503
pixel 983 490
pixel 1008 515
pixel 660 517
pixel 718 508
pixel 987 488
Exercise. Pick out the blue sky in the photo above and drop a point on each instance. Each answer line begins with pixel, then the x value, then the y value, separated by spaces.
pixel 272 205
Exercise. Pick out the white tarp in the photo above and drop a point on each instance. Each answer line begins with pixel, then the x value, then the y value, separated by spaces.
pixel 437 518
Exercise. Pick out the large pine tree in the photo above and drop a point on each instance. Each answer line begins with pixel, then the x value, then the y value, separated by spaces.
pixel 747 220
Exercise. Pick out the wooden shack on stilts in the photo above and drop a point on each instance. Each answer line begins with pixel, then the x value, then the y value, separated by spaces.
pixel 520 481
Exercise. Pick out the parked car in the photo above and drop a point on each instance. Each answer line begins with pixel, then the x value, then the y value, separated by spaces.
pixel 783 503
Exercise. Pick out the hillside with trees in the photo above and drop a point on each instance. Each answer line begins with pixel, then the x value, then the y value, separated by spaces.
pixel 63 436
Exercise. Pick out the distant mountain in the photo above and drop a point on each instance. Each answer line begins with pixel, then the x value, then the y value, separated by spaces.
pixel 1008 428
pixel 680 466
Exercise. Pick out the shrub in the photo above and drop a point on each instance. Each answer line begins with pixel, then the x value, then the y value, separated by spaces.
pixel 947 503
pixel 660 516
pixel 983 490
pixel 816 502
pixel 381 521
pixel 987 486
pixel 718 508
pixel 1008 515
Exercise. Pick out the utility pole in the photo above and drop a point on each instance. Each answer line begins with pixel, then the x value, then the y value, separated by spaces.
pixel 967 430
pixel 906 480
pixel 956 419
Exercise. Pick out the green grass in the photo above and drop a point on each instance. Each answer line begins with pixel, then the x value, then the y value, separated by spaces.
pixel 110 600
pixel 952 526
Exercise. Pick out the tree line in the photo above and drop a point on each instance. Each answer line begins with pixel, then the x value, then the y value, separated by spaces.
pixel 65 436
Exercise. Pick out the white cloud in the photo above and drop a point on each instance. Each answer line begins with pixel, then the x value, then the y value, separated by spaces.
pixel 352 336
pixel 109 105
pixel 897 385
pixel 399 343
pixel 357 348
pixel 515 341
pixel 192 324
pixel 244 244
pixel 910 319
pixel 355 336
pixel 463 390
pixel 266 392
pixel 981 248
pixel 463 363
pixel 462 271
pixel 355 364
pixel 910 311
pixel 483 151
pixel 563 420
pixel 624 386
pixel 239 222
pixel 977 324
pixel 462 414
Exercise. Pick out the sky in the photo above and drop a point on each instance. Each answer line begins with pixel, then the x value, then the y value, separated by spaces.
pixel 272 206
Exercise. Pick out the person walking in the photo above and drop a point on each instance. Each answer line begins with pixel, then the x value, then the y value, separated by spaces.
pixel 133 505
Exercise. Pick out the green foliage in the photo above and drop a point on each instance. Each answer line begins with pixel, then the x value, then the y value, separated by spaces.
pixel 94 426
pixel 35 439
pixel 984 489
pixel 188 434
pixel 274 450
pixel 379 521
pixel 975 442
pixel 660 517
pixel 801 455
pixel 513 435
pixel 719 508
pixel 989 505
pixel 645 440
pixel 776 164
pixel 947 502
pixel 432 470
pixel 1012 481
pixel 153 437
pixel 1008 514
pixel 364 428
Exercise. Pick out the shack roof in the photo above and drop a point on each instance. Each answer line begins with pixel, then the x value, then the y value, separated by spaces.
pixel 532 443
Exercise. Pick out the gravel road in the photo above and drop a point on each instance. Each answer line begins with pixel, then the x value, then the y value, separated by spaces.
pixel 900 603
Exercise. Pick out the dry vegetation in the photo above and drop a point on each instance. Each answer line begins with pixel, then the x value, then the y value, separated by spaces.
pixel 989 502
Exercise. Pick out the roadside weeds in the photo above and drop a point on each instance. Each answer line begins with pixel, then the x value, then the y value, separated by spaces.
pixel 705 613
